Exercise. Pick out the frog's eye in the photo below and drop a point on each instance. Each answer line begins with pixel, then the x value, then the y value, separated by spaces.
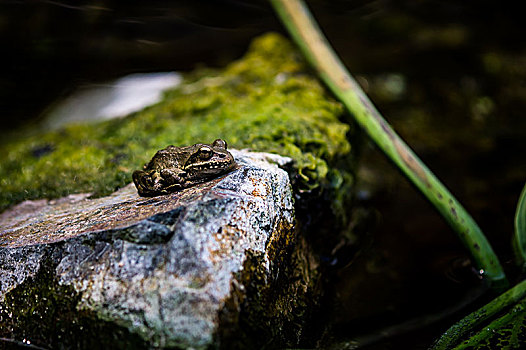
pixel 219 143
pixel 205 152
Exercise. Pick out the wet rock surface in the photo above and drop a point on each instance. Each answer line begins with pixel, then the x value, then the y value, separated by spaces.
pixel 164 272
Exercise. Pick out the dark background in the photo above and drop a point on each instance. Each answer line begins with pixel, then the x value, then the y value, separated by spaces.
pixel 48 47
pixel 463 110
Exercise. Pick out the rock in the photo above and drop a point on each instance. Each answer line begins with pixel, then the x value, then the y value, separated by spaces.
pixel 200 268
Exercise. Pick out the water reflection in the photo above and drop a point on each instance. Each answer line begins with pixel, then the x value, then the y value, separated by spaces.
pixel 113 100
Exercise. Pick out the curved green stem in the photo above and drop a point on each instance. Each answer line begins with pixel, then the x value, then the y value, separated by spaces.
pixel 307 35
pixel 519 238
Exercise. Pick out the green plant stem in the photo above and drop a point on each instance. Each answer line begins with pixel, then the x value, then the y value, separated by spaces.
pixel 519 238
pixel 307 35
pixel 489 331
pixel 456 332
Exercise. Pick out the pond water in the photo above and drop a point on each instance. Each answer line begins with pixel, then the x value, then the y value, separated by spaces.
pixel 449 76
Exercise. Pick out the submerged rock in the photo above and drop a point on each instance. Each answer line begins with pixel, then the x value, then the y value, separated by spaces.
pixel 212 265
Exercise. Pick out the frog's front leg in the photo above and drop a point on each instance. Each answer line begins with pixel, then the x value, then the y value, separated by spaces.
pixel 147 183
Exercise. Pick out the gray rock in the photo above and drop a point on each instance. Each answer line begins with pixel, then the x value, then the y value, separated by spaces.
pixel 167 271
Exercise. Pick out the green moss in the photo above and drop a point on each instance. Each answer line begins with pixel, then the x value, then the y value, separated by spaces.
pixel 266 102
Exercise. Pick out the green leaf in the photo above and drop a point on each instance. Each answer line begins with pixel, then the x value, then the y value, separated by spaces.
pixel 497 325
pixel 519 239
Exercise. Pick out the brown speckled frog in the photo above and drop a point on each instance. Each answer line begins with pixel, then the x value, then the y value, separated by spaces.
pixel 175 168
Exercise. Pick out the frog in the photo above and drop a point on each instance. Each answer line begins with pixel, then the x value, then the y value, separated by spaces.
pixel 175 168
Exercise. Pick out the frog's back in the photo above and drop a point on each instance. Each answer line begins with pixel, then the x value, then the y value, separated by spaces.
pixel 169 157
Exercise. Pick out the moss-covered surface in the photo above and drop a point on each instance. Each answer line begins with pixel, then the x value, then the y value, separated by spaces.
pixel 266 101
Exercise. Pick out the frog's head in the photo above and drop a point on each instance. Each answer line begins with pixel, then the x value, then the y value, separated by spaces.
pixel 208 160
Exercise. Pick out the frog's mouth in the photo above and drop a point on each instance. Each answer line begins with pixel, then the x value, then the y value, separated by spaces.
pixel 209 167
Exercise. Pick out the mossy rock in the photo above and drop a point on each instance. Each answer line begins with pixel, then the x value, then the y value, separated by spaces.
pixel 266 101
